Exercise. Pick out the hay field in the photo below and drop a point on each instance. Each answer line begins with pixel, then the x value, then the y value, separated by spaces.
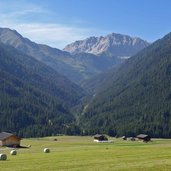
pixel 72 153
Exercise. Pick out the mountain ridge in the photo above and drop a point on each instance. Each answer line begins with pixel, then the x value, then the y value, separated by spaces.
pixel 109 44
pixel 76 67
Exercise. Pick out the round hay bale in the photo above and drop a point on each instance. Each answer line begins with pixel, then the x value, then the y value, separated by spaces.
pixel 46 150
pixel 3 156
pixel 13 152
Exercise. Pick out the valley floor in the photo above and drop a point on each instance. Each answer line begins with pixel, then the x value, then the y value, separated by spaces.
pixel 81 153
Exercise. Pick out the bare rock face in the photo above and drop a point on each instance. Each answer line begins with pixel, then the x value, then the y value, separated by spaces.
pixel 112 45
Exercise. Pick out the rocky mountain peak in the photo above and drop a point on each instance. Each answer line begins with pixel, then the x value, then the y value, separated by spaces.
pixel 113 44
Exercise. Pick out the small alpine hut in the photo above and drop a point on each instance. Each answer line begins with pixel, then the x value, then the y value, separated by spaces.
pixel 9 140
pixel 144 137
pixel 99 137
pixel 124 137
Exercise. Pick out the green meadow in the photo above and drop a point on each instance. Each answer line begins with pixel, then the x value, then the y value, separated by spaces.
pixel 72 153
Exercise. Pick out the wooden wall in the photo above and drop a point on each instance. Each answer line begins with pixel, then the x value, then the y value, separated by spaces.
pixel 12 140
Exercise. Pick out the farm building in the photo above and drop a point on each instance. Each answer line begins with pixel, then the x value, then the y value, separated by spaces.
pixel 8 139
pixel 124 137
pixel 130 139
pixel 99 137
pixel 144 137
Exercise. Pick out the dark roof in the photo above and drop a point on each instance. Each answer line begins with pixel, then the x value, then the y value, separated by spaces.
pixel 4 135
pixel 142 136
pixel 98 135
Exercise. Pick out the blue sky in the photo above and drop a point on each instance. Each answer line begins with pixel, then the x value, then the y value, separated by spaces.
pixel 59 22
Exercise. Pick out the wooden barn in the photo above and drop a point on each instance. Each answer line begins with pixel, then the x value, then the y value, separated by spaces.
pixel 99 137
pixel 144 137
pixel 8 139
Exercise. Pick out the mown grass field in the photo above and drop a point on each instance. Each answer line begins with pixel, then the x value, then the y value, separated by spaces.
pixel 81 153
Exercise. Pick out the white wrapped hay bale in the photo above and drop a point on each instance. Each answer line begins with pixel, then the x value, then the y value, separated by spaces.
pixel 13 152
pixel 46 150
pixel 3 156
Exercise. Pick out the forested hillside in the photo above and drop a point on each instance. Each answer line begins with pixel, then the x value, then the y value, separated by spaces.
pixel 34 99
pixel 136 98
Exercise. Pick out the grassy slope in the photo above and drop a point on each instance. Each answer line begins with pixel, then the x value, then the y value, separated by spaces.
pixel 80 153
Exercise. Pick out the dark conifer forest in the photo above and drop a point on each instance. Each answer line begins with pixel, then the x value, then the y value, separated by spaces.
pixel 133 98
pixel 136 98
pixel 34 99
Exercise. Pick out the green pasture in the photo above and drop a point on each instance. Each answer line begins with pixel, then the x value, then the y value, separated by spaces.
pixel 72 153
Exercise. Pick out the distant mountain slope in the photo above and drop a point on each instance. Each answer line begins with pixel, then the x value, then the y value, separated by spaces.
pixel 34 99
pixel 111 45
pixel 59 60
pixel 137 97
pixel 90 65
pixel 77 67
pixel 94 84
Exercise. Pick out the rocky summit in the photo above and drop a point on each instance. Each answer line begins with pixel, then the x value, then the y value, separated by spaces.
pixel 112 45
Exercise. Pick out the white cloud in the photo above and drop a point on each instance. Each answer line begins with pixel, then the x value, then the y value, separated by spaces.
pixel 28 22
pixel 56 35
